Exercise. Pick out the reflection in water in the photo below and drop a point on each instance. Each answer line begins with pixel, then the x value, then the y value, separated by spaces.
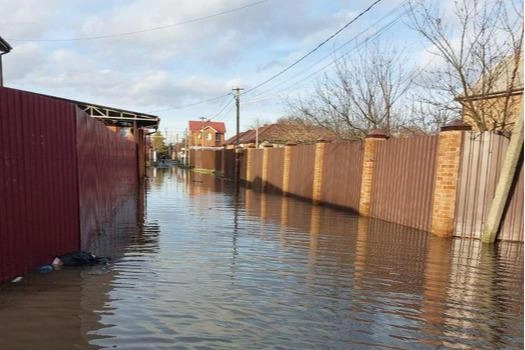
pixel 209 265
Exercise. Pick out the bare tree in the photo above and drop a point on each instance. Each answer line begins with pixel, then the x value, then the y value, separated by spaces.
pixel 479 53
pixel 363 93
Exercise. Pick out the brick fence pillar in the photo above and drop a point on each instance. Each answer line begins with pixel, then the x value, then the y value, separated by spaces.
pixel 369 157
pixel 266 157
pixel 249 163
pixel 447 175
pixel 286 166
pixel 320 147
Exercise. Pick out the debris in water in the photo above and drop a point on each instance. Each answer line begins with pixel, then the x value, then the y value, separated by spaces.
pixel 17 279
pixel 46 268
pixel 80 258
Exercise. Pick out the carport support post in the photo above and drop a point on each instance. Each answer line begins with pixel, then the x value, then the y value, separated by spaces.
pixel 266 158
pixel 320 147
pixel 142 154
pixel 446 178
pixel 369 157
pixel 286 166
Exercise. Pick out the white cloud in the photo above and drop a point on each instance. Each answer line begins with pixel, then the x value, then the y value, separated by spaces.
pixel 167 67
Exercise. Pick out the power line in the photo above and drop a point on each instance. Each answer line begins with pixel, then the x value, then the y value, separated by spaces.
pixel 314 49
pixel 106 36
pixel 373 36
pixel 191 104
pixel 222 109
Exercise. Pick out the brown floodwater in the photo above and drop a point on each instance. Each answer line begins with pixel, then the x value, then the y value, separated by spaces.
pixel 198 264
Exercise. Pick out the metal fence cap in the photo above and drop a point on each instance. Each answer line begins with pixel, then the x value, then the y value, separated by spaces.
pixel 377 134
pixel 456 124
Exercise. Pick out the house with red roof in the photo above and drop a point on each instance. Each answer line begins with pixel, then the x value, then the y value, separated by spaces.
pixel 205 133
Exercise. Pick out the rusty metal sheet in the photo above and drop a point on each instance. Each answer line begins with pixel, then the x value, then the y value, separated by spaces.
pixel 403 181
pixel 481 160
pixel 38 181
pixel 342 171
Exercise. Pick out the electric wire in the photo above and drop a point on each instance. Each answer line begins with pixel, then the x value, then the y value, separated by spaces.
pixel 191 104
pixel 379 32
pixel 313 50
pixel 106 36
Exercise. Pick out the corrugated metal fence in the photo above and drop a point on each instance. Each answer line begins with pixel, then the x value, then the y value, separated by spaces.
pixel 107 175
pixel 302 171
pixel 481 160
pixel 274 181
pixel 404 181
pixel 43 179
pixel 342 168
pixel 38 181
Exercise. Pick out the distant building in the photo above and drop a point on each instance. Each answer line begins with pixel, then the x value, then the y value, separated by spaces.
pixel 205 133
pixel 495 97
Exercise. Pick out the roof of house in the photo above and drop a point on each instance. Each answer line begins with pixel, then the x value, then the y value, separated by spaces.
pixel 198 125
pixel 280 133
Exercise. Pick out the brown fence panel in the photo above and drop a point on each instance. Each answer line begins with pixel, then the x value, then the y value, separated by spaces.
pixel 256 171
pixel 107 175
pixel 275 169
pixel 206 159
pixel 302 171
pixel 481 162
pixel 38 181
pixel 403 181
pixel 342 168
pixel 229 165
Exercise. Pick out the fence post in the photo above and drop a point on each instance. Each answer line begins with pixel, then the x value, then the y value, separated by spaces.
pixel 320 147
pixel 286 166
pixel 266 157
pixel 249 164
pixel 369 155
pixel 447 174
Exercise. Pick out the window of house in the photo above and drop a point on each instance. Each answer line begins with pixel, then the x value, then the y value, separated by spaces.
pixel 208 137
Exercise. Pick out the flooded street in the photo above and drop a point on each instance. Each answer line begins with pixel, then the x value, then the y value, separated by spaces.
pixel 207 267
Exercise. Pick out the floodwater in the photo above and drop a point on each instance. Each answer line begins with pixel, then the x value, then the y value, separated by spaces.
pixel 200 265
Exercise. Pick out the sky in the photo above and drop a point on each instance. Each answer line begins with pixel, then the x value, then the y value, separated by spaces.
pixel 181 59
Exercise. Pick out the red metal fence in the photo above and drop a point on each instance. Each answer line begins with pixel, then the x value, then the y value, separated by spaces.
pixel 40 175
pixel 38 181
pixel 107 175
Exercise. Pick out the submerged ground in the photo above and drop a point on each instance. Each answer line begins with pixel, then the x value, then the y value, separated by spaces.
pixel 200 264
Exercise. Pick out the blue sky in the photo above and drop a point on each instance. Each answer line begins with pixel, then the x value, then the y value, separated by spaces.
pixel 161 70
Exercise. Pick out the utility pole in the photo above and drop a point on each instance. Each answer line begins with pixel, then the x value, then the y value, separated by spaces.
pixel 237 106
pixel 237 166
